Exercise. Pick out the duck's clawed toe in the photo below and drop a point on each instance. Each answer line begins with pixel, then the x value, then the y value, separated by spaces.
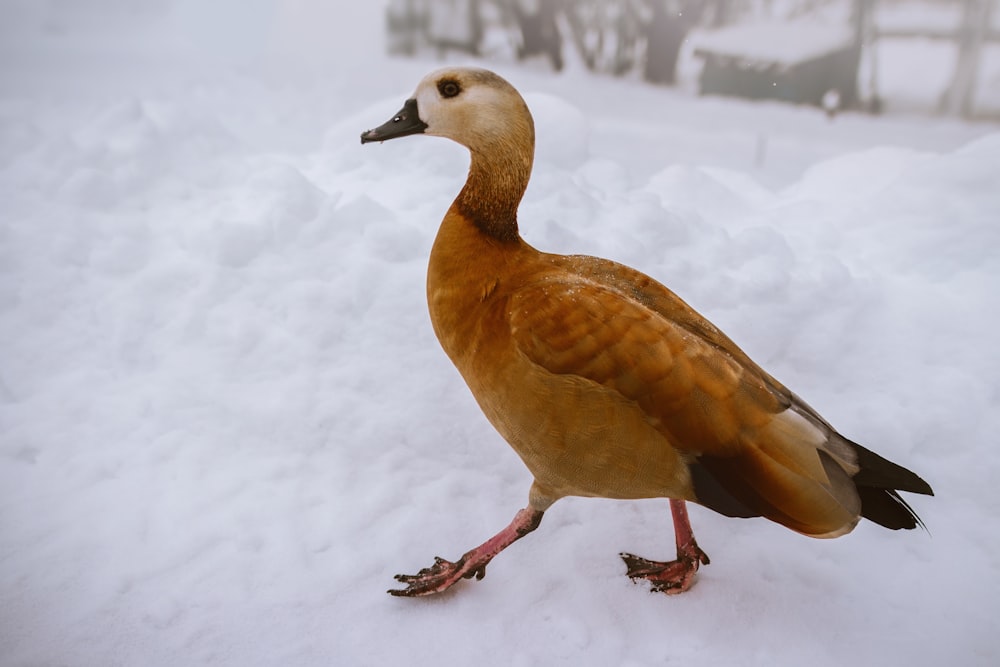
pixel 444 574
pixel 437 578
pixel 672 577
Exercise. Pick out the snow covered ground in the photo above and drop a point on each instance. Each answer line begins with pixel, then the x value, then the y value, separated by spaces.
pixel 225 422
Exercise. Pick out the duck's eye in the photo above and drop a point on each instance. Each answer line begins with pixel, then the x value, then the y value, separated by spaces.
pixel 449 88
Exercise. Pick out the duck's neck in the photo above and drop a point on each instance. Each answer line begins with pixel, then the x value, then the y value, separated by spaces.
pixel 498 177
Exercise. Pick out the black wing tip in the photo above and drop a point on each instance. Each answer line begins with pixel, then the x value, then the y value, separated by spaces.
pixel 881 473
pixel 879 482
pixel 888 509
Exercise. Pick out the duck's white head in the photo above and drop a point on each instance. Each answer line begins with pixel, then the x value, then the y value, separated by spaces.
pixel 474 107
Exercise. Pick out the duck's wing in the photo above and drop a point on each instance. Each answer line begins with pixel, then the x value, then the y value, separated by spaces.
pixel 877 479
pixel 659 298
pixel 750 450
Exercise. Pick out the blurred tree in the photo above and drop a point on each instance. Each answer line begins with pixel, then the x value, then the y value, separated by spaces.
pixel 539 31
pixel 959 98
pixel 668 26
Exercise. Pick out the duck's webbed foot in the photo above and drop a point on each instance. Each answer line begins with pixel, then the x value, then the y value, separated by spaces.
pixel 439 577
pixel 675 576
pixel 444 574
pixel 672 577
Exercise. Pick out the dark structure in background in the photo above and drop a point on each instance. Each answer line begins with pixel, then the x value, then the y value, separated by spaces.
pixel 823 74
pixel 620 37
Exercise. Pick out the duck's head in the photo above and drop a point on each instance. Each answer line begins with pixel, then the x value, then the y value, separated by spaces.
pixel 474 107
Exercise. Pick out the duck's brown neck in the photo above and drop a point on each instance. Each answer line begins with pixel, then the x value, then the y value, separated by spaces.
pixel 497 180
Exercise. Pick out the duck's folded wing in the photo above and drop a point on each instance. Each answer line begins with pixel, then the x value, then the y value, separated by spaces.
pixel 749 454
pixel 660 299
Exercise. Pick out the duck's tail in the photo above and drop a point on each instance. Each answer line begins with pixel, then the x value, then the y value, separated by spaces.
pixel 878 483
pixel 819 484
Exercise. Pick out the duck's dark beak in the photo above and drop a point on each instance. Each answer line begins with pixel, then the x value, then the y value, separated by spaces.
pixel 404 123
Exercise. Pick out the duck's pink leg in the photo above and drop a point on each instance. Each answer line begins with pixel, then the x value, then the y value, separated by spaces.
pixel 675 576
pixel 444 574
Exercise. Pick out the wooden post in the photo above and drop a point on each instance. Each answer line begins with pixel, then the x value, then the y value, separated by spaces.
pixel 867 33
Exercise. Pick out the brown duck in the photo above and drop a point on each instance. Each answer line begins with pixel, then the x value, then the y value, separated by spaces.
pixel 605 382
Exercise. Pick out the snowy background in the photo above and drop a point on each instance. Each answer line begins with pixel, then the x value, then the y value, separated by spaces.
pixel 225 422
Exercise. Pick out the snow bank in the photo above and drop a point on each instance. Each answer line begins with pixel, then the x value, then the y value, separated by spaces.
pixel 225 422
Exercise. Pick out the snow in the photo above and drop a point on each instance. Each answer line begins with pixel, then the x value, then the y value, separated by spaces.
pixel 225 422
pixel 918 15
pixel 784 42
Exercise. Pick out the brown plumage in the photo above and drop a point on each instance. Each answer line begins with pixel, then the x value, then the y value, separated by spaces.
pixel 604 381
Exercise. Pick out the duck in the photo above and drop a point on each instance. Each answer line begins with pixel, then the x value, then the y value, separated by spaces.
pixel 605 382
